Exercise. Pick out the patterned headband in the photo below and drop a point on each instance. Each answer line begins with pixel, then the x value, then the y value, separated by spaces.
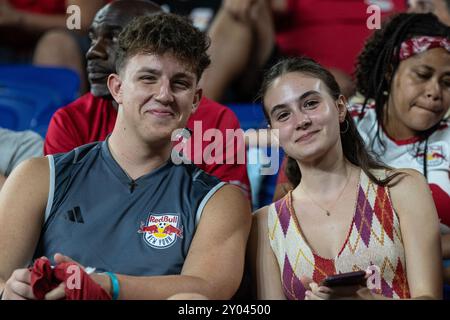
pixel 421 44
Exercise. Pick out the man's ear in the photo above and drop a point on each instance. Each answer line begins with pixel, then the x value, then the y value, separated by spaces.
pixel 342 104
pixel 114 85
pixel 197 98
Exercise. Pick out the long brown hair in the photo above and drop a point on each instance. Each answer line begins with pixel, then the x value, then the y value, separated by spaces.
pixel 352 143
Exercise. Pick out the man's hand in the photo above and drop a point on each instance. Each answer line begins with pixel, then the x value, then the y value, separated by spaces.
pixel 9 16
pixel 18 286
pixel 60 292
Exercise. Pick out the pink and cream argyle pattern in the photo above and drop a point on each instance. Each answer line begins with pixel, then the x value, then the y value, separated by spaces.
pixel 374 238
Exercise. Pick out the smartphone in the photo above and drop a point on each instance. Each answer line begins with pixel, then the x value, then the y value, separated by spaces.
pixel 345 279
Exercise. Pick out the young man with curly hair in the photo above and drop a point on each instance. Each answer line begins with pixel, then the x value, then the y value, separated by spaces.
pixel 122 206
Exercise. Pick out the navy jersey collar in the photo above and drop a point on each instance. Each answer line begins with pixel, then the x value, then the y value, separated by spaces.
pixel 154 175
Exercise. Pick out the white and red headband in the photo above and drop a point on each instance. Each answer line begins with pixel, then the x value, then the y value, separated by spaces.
pixel 421 44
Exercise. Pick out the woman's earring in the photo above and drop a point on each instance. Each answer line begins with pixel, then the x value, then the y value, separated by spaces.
pixel 385 93
pixel 346 128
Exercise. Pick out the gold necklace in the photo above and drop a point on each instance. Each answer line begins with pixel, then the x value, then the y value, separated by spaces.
pixel 327 211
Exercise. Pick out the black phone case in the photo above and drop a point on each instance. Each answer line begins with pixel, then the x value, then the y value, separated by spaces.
pixel 345 279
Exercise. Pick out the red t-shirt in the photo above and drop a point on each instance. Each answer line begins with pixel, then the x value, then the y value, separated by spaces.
pixel 40 6
pixel 329 31
pixel 90 119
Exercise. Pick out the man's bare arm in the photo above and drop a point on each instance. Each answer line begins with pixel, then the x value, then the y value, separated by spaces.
pixel 2 180
pixel 22 204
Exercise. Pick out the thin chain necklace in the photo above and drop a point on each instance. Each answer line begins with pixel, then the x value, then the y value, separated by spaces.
pixel 327 211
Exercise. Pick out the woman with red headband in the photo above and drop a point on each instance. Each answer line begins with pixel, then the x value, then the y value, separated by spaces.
pixel 404 75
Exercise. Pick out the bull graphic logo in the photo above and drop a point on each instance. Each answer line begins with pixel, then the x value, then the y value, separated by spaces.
pixel 161 231
pixel 435 156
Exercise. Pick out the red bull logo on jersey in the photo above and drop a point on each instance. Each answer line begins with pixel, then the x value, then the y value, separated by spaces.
pixel 161 231
pixel 435 156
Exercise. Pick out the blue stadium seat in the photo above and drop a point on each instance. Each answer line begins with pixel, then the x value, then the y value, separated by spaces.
pixel 36 106
pixel 45 88
pixel 41 121
pixel 9 118
pixel 64 81
pixel 16 114
pixel 249 115
pixel 35 90
pixel 263 186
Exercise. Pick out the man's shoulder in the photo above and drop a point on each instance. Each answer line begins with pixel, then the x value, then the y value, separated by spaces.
pixel 77 155
pixel 19 137
pixel 196 175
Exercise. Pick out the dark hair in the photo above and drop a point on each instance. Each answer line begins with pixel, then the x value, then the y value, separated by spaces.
pixel 379 61
pixel 164 33
pixel 352 143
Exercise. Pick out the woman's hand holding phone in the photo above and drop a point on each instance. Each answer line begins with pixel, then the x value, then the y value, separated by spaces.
pixel 346 287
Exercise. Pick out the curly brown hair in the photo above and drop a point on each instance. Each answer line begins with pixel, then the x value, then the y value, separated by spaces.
pixel 164 33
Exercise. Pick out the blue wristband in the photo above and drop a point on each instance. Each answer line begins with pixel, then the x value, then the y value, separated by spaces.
pixel 114 284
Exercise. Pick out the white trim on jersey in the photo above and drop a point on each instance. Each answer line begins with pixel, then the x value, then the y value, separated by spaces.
pixel 202 205
pixel 51 189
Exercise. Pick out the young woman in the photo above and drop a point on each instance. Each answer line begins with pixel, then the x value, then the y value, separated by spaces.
pixel 346 212
pixel 404 74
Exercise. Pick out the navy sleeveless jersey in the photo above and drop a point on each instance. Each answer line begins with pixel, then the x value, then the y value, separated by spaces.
pixel 100 217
